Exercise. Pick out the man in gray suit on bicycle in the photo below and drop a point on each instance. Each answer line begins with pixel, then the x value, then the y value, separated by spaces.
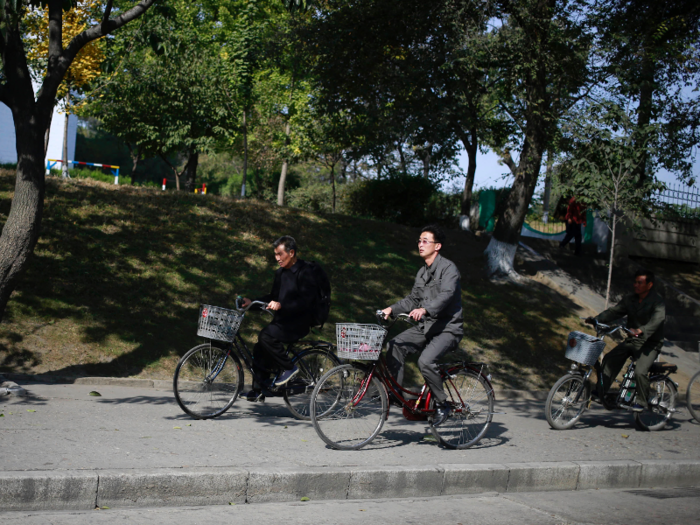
pixel 436 303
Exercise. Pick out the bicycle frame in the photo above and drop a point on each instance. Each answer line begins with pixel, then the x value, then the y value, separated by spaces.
pixel 418 408
pixel 244 354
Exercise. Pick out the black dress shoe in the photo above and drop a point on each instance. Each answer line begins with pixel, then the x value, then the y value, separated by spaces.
pixel 441 414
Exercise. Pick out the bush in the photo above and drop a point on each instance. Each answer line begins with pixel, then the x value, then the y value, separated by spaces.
pixel 400 198
pixel 444 208
pixel 318 197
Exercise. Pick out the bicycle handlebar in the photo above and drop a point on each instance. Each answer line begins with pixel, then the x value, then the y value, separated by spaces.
pixel 606 329
pixel 385 322
pixel 252 303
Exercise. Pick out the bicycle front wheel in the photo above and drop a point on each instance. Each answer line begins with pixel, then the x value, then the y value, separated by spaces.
pixel 348 408
pixel 566 401
pixel 207 381
pixel 472 400
pixel 692 397
pixel 312 365
pixel 662 401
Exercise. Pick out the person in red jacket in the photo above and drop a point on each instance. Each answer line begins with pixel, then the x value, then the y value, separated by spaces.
pixel 574 219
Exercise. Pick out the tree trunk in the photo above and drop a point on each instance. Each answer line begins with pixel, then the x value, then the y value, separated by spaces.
pixel 644 112
pixel 471 147
pixel 610 262
pixel 21 230
pixel 547 188
pixel 401 158
pixel 135 154
pixel 283 174
pixel 245 154
pixel 190 171
pixel 64 168
pixel 427 158
pixel 47 135
pixel 333 185
pixel 499 258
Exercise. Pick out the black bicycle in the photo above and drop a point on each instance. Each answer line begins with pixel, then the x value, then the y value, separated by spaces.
pixel 571 394
pixel 209 377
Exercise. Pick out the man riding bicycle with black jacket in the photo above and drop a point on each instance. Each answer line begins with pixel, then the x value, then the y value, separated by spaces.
pixel 291 300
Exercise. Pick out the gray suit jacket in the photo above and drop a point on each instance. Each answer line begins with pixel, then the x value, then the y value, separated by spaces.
pixel 437 289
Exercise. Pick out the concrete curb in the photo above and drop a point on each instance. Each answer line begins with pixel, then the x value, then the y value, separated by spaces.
pixel 80 490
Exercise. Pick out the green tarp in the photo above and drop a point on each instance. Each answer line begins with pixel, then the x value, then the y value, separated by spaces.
pixel 487 208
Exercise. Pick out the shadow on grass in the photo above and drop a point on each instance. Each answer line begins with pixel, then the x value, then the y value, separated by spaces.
pixel 118 274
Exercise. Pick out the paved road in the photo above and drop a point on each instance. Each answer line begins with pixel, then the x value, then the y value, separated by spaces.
pixel 592 507
pixel 62 427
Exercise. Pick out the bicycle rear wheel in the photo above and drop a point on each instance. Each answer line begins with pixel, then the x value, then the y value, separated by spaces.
pixel 692 397
pixel 662 400
pixel 567 401
pixel 348 409
pixel 312 365
pixel 472 400
pixel 207 381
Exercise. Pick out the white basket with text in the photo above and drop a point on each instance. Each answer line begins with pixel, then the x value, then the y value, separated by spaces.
pixel 218 323
pixel 360 341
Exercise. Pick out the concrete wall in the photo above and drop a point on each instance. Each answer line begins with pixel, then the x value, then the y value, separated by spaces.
pixel 8 151
pixel 55 149
pixel 673 241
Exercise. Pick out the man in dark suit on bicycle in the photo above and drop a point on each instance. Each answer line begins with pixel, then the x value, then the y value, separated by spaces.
pixel 291 299
pixel 436 303
pixel 646 313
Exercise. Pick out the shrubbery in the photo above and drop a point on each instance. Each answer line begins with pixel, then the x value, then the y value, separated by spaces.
pixel 399 198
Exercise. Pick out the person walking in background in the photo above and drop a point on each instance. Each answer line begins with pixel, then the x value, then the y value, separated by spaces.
pixel 574 219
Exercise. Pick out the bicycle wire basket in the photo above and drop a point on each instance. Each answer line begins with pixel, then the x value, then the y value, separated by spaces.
pixel 583 348
pixel 218 323
pixel 360 341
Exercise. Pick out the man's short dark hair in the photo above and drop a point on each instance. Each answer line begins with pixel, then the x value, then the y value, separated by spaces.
pixel 288 242
pixel 648 275
pixel 437 232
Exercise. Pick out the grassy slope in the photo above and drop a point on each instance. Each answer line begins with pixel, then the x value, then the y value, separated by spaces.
pixel 118 275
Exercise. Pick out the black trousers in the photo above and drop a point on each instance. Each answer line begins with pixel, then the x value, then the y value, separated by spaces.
pixel 573 231
pixel 270 356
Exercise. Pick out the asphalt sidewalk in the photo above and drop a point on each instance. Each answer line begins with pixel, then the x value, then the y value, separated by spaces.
pixel 63 448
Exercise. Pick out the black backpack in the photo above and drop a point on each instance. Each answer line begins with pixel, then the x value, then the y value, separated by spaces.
pixel 322 302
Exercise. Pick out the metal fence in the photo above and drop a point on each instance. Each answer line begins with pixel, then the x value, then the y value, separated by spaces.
pixel 551 226
pixel 679 201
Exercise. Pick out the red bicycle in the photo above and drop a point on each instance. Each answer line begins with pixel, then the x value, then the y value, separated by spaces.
pixel 350 402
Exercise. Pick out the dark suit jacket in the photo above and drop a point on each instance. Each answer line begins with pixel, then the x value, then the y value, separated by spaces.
pixel 295 289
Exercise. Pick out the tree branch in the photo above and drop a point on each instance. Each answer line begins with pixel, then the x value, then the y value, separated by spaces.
pixel 106 27
pixel 508 160
pixel 57 68
pixel 55 32
pixel 165 159
pixel 105 16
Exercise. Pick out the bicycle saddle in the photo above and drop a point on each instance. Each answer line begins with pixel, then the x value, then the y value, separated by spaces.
pixel 662 368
